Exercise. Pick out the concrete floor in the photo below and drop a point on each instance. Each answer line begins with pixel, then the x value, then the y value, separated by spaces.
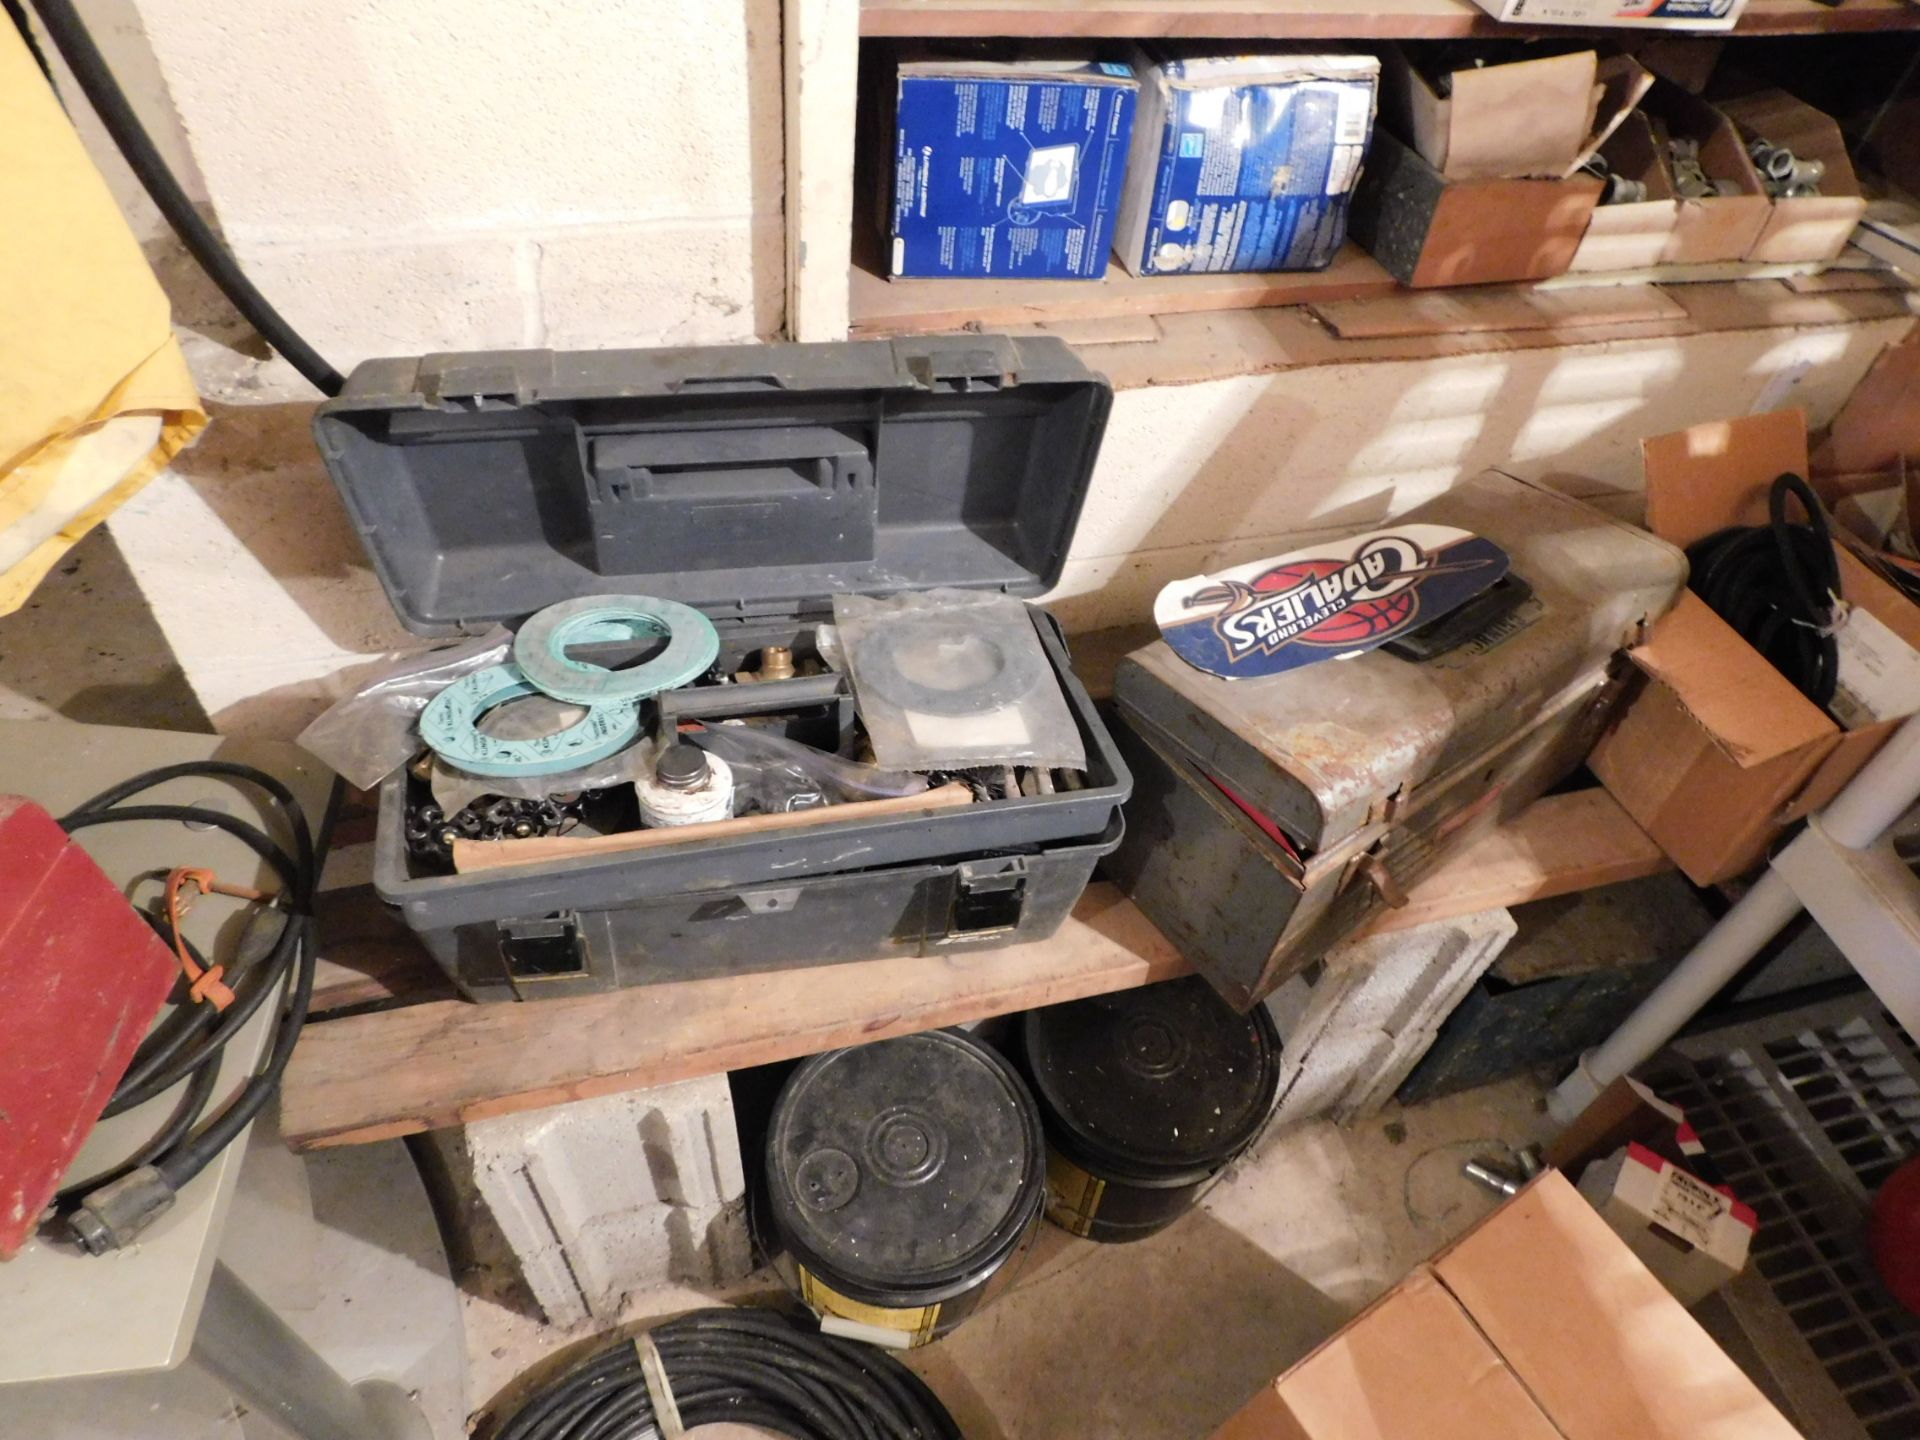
pixel 1166 1337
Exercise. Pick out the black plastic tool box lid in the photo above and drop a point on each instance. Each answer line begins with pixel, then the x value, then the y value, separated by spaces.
pixel 751 481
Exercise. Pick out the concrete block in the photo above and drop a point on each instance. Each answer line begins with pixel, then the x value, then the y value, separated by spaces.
pixel 353 303
pixel 709 283
pixel 1354 1028
pixel 603 1198
pixel 319 119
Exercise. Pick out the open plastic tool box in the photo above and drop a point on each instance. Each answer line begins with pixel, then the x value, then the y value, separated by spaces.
pixel 755 483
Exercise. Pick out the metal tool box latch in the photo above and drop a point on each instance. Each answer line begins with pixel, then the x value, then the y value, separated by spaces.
pixel 1386 810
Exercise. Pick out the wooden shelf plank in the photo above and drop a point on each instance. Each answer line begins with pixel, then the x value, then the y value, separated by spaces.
pixel 396 1072
pixel 1563 843
pixel 1313 19
pixel 927 306
pixel 444 1062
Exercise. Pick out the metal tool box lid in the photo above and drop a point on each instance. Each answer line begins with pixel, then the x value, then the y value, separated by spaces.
pixel 751 481
pixel 1323 750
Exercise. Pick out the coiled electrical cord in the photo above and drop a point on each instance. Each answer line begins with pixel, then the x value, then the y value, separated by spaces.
pixel 752 1367
pixel 1778 584
pixel 108 1210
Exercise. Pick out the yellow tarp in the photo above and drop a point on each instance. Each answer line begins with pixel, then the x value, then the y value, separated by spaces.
pixel 95 397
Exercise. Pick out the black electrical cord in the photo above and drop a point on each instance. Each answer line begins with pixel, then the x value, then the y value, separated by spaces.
pixel 751 1367
pixel 189 1046
pixel 1778 585
pixel 109 102
pixel 18 15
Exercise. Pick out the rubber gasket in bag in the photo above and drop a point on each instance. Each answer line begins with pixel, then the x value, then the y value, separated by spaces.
pixel 877 667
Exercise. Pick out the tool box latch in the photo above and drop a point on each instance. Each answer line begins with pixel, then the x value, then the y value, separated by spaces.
pixel 957 371
pixel 989 894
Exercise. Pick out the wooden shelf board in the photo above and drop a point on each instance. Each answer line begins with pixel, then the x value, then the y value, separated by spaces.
pixel 1305 19
pixel 926 306
pixel 437 1061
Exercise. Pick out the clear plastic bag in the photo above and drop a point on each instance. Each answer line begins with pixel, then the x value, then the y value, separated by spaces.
pixel 955 679
pixel 374 731
pixel 772 773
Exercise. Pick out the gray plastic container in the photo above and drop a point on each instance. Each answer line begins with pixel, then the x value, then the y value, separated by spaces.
pixel 753 482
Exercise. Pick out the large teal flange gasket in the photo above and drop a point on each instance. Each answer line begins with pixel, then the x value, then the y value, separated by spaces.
pixel 540 649
pixel 449 726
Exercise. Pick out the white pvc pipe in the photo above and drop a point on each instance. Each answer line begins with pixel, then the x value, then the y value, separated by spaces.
pixel 1880 794
pixel 1705 971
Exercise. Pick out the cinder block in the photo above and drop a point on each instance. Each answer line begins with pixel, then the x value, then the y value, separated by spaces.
pixel 352 303
pixel 603 1198
pixel 334 118
pixel 1355 1028
pixel 705 283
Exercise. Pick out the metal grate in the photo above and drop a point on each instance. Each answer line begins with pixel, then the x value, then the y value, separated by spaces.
pixel 1805 1114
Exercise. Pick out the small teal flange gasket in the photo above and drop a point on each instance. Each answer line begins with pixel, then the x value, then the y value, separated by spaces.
pixel 449 726
pixel 540 649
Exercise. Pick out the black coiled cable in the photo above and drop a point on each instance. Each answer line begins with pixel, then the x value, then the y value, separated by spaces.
pixel 751 1367
pixel 1777 584
pixel 188 1045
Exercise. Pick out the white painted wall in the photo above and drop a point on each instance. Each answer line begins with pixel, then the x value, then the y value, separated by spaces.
pixel 448 174
pixel 1197 477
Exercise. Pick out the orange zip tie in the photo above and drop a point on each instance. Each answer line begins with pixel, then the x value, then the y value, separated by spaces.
pixel 205 984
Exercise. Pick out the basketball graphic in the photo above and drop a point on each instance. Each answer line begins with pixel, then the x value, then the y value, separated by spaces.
pixel 1280 614
pixel 1363 620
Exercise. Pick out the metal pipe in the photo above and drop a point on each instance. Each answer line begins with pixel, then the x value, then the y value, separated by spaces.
pixel 250 1349
pixel 1880 794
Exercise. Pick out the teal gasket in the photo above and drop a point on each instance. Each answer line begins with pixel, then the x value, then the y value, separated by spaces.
pixel 449 726
pixel 540 649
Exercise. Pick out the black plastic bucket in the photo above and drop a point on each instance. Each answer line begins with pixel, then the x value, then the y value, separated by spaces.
pixel 903 1177
pixel 1145 1096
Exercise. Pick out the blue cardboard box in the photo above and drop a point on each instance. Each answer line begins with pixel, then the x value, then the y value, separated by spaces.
pixel 1245 162
pixel 1010 170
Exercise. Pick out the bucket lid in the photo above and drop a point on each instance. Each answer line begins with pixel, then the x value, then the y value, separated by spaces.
pixel 905 1164
pixel 1167 1077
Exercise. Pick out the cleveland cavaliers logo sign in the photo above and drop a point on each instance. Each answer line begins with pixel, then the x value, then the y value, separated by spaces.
pixel 1335 599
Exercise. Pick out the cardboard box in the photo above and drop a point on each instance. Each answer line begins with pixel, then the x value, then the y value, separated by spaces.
pixel 1011 169
pixel 1539 1322
pixel 1807 227
pixel 1691 1235
pixel 1532 119
pixel 1717 227
pixel 1635 235
pixel 1716 752
pixel 1425 230
pixel 1629 14
pixel 1244 162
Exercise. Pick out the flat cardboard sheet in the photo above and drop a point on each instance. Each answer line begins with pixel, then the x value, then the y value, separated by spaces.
pixel 1878 429
pixel 1715 475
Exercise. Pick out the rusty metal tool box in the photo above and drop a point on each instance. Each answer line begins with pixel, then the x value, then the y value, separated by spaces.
pixel 1270 817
